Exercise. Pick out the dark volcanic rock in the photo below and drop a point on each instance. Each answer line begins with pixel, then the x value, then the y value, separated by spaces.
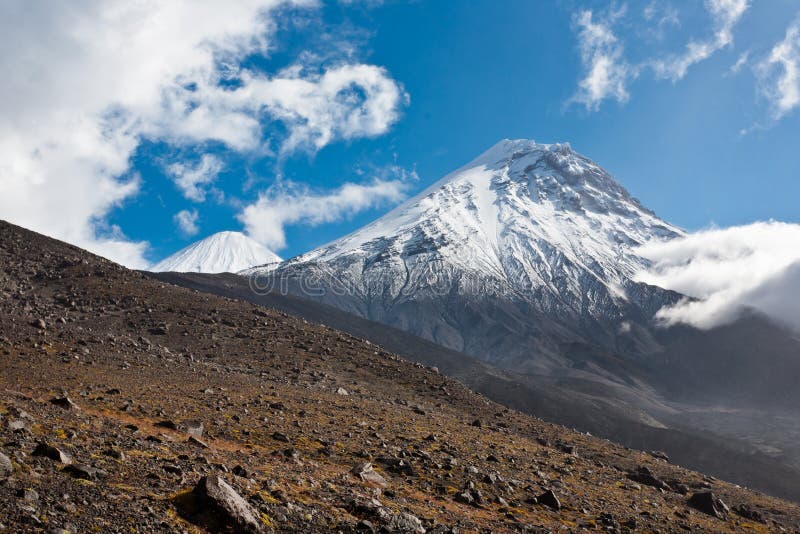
pixel 228 507
pixel 83 471
pixel 748 513
pixel 64 402
pixel 54 453
pixel 549 499
pixel 708 503
pixel 643 475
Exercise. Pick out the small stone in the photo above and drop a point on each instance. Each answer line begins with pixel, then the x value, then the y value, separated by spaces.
pixel 39 323
pixel 64 402
pixel 28 495
pixel 365 472
pixel 240 471
pixel 405 522
pixel 173 469
pixel 6 467
pixel 277 436
pixel 54 453
pixel 342 391
pixel 708 503
pixel 195 428
pixel 549 499
pixel 643 475
pixel 745 511
pixel 661 455
pixel 17 425
pixel 115 453
pixel 83 471
pixel 172 425
pixel 197 442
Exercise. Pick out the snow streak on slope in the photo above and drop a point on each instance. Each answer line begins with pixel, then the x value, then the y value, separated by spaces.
pixel 223 252
pixel 540 232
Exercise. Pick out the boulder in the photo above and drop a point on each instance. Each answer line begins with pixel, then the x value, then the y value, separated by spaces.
pixel 708 503
pixel 365 472
pixel 549 499
pixel 54 453
pixel 228 505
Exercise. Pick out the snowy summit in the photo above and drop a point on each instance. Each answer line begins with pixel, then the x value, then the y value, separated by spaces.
pixel 223 252
pixel 535 233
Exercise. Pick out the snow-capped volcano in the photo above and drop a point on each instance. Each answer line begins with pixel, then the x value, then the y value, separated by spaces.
pixel 223 252
pixel 530 239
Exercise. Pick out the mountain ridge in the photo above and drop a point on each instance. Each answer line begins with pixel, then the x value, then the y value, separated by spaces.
pixel 526 229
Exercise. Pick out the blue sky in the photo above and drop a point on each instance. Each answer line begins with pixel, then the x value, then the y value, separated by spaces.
pixel 716 143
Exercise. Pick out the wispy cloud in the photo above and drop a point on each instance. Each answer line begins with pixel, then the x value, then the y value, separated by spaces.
pixel 724 14
pixel 606 73
pixel 742 60
pixel 288 204
pixel 660 16
pixel 727 271
pixel 779 73
pixel 187 222
pixel 190 179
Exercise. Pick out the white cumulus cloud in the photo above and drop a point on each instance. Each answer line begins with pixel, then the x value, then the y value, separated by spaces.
pixel 289 203
pixel 727 271
pixel 606 73
pixel 187 222
pixel 725 14
pixel 779 73
pixel 190 179
pixel 86 82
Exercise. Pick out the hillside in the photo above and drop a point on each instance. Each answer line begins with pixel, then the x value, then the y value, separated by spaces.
pixel 755 448
pixel 120 394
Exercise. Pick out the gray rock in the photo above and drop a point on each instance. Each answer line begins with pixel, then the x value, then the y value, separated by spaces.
pixel 197 442
pixel 83 471
pixel 549 499
pixel 708 503
pixel 64 402
pixel 6 467
pixel 54 453
pixel 229 505
pixel 365 472
pixel 405 522
pixel 194 428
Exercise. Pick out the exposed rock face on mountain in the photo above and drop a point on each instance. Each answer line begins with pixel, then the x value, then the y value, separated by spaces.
pixel 223 252
pixel 524 249
pixel 280 449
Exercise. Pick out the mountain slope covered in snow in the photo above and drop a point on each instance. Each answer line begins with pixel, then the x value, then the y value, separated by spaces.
pixel 223 252
pixel 525 249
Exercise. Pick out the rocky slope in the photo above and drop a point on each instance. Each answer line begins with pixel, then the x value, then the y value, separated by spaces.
pixel 752 447
pixel 128 404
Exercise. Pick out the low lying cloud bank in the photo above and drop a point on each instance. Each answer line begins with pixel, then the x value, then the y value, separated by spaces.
pixel 728 271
